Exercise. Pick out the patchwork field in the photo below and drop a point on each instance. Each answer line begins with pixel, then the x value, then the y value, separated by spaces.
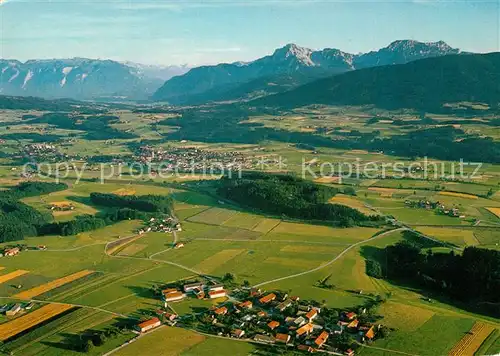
pixel 459 237
pixel 266 225
pixel 18 325
pixel 211 263
pixel 215 216
pixel 351 202
pixel 471 342
pixel 459 195
pixel 253 248
pixel 33 292
pixel 7 277
pixel 495 211
pixel 403 316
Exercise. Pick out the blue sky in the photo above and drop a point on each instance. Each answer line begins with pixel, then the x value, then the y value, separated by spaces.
pixel 211 31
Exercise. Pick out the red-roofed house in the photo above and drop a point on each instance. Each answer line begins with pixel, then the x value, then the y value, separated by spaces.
pixel 350 315
pixel 304 330
pixel 370 334
pixel 217 294
pixel 273 325
pixel 148 325
pixel 237 333
pixel 321 339
pixel 305 348
pixel 221 311
pixel 247 304
pixel 267 299
pixel 284 338
pixel 313 313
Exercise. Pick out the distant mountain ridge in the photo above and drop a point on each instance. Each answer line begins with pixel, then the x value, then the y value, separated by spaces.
pixel 79 78
pixel 425 84
pixel 299 64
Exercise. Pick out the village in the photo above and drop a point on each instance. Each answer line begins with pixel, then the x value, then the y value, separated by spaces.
pixel 166 225
pixel 440 208
pixel 271 318
pixel 192 159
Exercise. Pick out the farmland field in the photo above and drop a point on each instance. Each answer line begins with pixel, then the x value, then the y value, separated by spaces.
pixel 471 342
pixel 316 261
pixel 211 263
pixel 18 325
pixel 28 294
pixel 7 277
pixel 167 341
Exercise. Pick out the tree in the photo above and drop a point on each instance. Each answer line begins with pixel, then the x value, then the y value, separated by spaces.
pixel 228 277
pixel 87 346
pixel 374 269
pixel 246 283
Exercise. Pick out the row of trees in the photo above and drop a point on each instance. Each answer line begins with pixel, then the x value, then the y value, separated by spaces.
pixel 472 277
pixel 290 196
pixel 148 203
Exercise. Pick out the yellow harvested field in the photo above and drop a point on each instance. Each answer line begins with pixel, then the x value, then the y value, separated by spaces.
pixel 7 277
pixel 329 180
pixel 266 225
pixel 211 263
pixel 18 325
pixel 403 316
pixel 384 192
pixel 459 195
pixel 292 262
pixel 471 342
pixel 351 202
pixel 33 292
pixel 124 191
pixel 495 211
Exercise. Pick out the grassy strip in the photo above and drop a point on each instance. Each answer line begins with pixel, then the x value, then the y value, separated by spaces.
pixel 488 342
pixel 68 286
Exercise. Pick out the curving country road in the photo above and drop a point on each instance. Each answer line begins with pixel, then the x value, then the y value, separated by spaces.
pixel 331 261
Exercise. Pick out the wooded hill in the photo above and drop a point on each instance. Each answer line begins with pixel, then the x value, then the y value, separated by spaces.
pixel 425 84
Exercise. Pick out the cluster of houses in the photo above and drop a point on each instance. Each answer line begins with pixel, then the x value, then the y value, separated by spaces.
pixel 437 206
pixel 191 159
pixel 11 251
pixel 44 151
pixel 275 318
pixel 61 207
pixel 13 309
pixel 199 290
pixel 167 225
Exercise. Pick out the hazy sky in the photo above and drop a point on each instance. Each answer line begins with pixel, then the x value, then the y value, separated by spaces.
pixel 200 32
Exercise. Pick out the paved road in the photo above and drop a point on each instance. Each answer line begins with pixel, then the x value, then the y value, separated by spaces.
pixel 331 261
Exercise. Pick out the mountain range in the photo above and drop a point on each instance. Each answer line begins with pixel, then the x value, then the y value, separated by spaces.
pixel 427 84
pixel 287 67
pixel 83 78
